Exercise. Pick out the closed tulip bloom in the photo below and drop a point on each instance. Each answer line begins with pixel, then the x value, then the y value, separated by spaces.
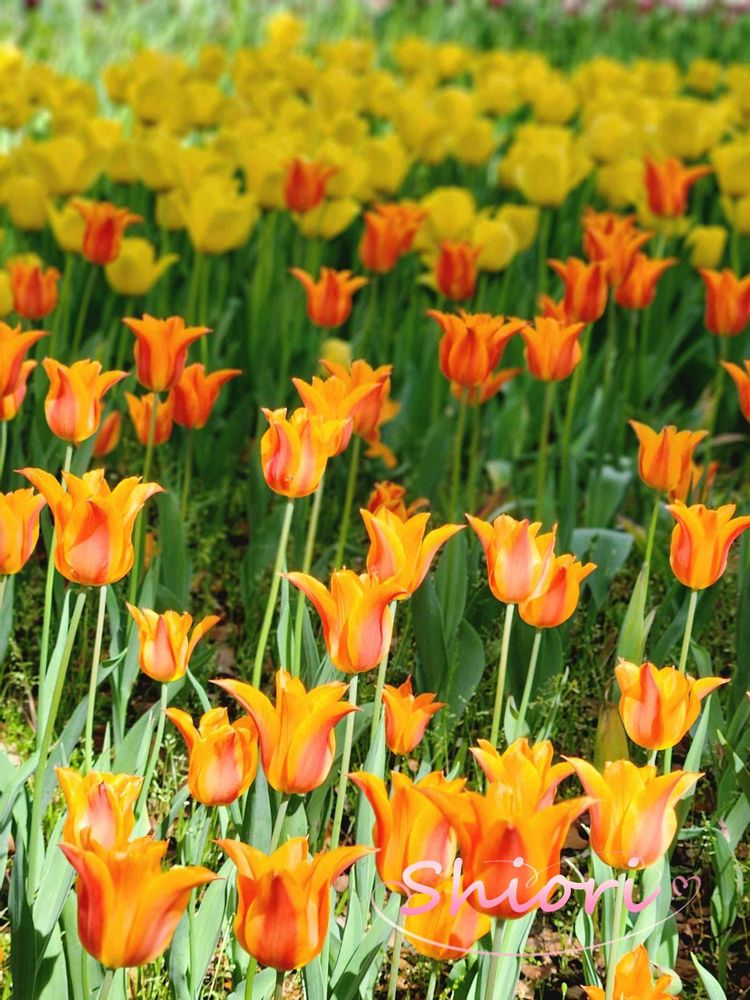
pixel 668 183
pixel 223 755
pixel 638 290
pixel 658 707
pixel 13 347
pixel 727 302
pixel 297 741
pixel 34 290
pixel 284 899
pixel 615 241
pixel 741 380
pixel 520 561
pixel 357 622
pixel 305 183
pixel 665 456
pixel 73 406
pixel 552 349
pixel 161 349
pixel 11 404
pixel 105 225
pixel 556 605
pixel 294 451
pixel 195 395
pixel 337 398
pixel 633 980
pixel 136 269
pixel 372 409
pixel 100 807
pixel 399 550
pixel 389 234
pixel 329 299
pixel 390 496
pixel 19 528
pixel 409 827
pixel 456 270
pixel 633 819
pixel 472 345
pixel 166 643
pixel 141 409
pixel 128 907
pixel 528 773
pixel 438 933
pixel 407 716
pixel 585 288
pixel 479 394
pixel 701 540
pixel 93 523
pixel 109 435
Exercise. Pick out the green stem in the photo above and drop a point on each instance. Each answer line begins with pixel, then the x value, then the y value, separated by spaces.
pixel 652 532
pixel 194 289
pixel 186 475
pixel 155 751
pixel 62 310
pixel 501 672
pixel 432 984
pixel 36 833
pixel 545 223
pixel 719 380
pixel 351 484
pixel 49 585
pixel 346 757
pixel 377 704
pixel 528 686
pixel 458 443
pixel 398 940
pixel 615 935
pixel 541 467
pixel 93 682
pixel 474 443
pixel 312 531
pixel 140 527
pixel 83 309
pixel 498 944
pixel 273 592
pixel 688 630
pixel 252 968
pixel 278 991
pixel 278 825
pixel 570 409
pixel 109 978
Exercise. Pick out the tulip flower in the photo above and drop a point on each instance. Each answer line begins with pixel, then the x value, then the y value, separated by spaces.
pixel 638 290
pixel 373 409
pixel 633 979
pixel 472 345
pixel 217 217
pixel 614 240
pixel 552 348
pixel 166 643
pixel 337 398
pixel 456 270
pixel 294 451
pixel 696 476
pixel 389 234
pixel 11 404
pixel 128 907
pixel 223 756
pixel 19 528
pixel 701 540
pixel 329 300
pixel 526 770
pixel 741 380
pixel 439 934
pixel 727 302
pixel 109 435
pixel 13 346
pixel 105 225
pixel 560 599
pixel 73 406
pixel 136 270
pixel 407 716
pixel 305 183
pixel 520 561
pixel 161 349
pixel 195 395
pixel 665 456
pixel 284 899
pixel 100 807
pixel 667 185
pixel 409 827
pixel 658 707
pixel 399 549
pixel 34 290
pixel 297 742
pixel 390 496
pixel 633 819
pixel 93 523
pixel 141 409
pixel 585 288
pixel 357 622
pixel 707 245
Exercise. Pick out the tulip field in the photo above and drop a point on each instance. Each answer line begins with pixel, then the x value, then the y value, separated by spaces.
pixel 374 485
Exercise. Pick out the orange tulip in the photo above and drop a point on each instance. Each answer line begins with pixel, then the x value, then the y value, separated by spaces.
pixel 407 716
pixel 294 451
pixel 667 185
pixel 373 409
pixel 399 550
pixel 297 742
pixel 638 289
pixel 11 404
pixel 456 270
pixel 526 770
pixel 614 240
pixel 438 933
pixel 128 908
pixel 305 183
pixel 34 290
pixel 552 348
pixel 284 899
pixel 73 406
pixel 695 476
pixel 480 393
pixel 357 622
pixel 13 346
pixel 329 299
pixel 19 528
pixel 585 288
pixel 560 599
pixel 554 309
pixel 520 562
pixel 665 456
pixel 161 349
pixel 741 380
pixel 337 398
pixel 658 707
pixel 727 302
pixel 389 234
pixel 409 828
pixel 165 649
pixel 633 819
pixel 701 540
pixel 109 435
pixel 633 980
pixel 223 756
pixel 100 807
pixel 390 496
pixel 472 345
pixel 105 225
pixel 195 395
pixel 93 523
pixel 141 410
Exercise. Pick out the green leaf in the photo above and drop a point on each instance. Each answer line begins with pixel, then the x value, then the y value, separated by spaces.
pixel 710 984
pixel 174 564
pixel 451 582
pixel 632 638
pixel 467 666
pixel 432 650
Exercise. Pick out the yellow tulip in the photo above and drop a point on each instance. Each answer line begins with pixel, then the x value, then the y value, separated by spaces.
pixel 704 75
pixel 731 163
pixel 498 243
pixel 6 295
pixel 64 164
pixel 451 213
pixel 523 220
pixel 621 183
pixel 556 102
pixel 136 270
pixel 329 219
pixel 217 218
pixel 707 245
pixel 26 201
pixel 68 227
pixel 737 212
pixel 475 142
